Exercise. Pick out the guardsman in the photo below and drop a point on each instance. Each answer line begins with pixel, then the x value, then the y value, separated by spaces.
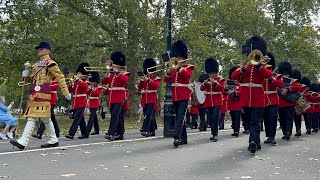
pixel 316 110
pixel 148 86
pixel 309 97
pixel 124 109
pixel 270 112
pixel 252 75
pixel 38 105
pixel 296 74
pixel 213 87
pixel 234 105
pixel 79 88
pixel 116 79
pixel 224 109
pixel 94 102
pixel 194 111
pixel 286 107
pixel 180 77
pixel 54 87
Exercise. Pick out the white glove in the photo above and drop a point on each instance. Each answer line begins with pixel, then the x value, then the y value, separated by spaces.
pixel 68 96
pixel 25 73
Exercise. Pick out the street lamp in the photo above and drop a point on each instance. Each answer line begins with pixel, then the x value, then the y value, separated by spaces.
pixel 169 115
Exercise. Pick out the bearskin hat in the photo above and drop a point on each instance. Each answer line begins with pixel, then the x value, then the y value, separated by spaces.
pixel 296 74
pixel 259 43
pixel 306 81
pixel 118 58
pixel 211 65
pixel 314 87
pixel 231 71
pixel 285 68
pixel 179 49
pixel 272 60
pixel 95 77
pixel 202 77
pixel 81 68
pixel 147 63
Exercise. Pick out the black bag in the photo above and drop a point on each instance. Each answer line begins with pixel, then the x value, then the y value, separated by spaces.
pixel 231 87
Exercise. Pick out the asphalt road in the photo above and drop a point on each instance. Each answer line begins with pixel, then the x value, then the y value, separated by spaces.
pixel 156 158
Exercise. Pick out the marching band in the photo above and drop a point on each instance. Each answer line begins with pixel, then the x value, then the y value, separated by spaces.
pixel 256 91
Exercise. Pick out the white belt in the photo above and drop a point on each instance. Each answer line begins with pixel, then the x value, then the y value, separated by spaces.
pixel 94 98
pixel 79 95
pixel 117 88
pixel 212 92
pixel 270 92
pixel 251 85
pixel 148 91
pixel 180 85
pixel 55 92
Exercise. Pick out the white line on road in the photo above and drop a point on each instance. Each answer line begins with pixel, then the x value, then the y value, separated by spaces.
pixel 98 143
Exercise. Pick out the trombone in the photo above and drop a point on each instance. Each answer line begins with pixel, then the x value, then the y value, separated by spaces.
pixel 103 69
pixel 254 58
pixel 172 63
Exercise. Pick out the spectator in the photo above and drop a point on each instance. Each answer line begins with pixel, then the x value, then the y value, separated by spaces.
pixel 7 119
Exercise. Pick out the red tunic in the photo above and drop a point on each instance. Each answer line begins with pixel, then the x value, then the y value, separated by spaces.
pixel 293 88
pixel 309 97
pixel 270 90
pixel 79 90
pixel 224 107
pixel 251 91
pixel 94 97
pixel 127 102
pixel 235 104
pixel 213 92
pixel 54 87
pixel 180 82
pixel 116 87
pixel 149 90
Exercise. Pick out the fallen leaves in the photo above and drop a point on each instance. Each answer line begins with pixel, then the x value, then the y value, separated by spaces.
pixel 68 175
pixel 245 177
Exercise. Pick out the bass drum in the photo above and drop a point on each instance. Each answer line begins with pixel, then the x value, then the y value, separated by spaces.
pixel 201 96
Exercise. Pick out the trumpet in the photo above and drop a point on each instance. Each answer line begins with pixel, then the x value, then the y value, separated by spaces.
pixel 71 77
pixel 255 57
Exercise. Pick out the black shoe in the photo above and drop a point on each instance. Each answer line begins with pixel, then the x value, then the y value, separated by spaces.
pixel 287 136
pixel 259 147
pixel 118 137
pixel 141 130
pixel 298 133
pixel 315 130
pixel 176 143
pixel 83 137
pixel 38 136
pixel 203 129
pixel 152 134
pixel 15 143
pixel 94 133
pixel 183 141
pixel 274 143
pixel 214 138
pixel 221 128
pixel 109 137
pixel 236 134
pixel 145 134
pixel 246 132
pixel 252 147
pixel 68 136
pixel 308 131
pixel 268 141
pixel 50 145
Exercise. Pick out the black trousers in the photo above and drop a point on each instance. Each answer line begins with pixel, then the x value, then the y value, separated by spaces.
pixel 286 119
pixel 202 115
pixel 93 121
pixel 148 122
pixel 235 117
pixel 221 120
pixel 155 121
pixel 188 118
pixel 122 117
pixel 78 120
pixel 308 120
pixel 270 119
pixel 245 121
pixel 115 125
pixel 180 125
pixel 213 115
pixel 315 120
pixel 297 121
pixel 194 120
pixel 254 116
pixel 42 127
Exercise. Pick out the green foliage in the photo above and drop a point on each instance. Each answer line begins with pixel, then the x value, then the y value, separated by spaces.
pixel 81 30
